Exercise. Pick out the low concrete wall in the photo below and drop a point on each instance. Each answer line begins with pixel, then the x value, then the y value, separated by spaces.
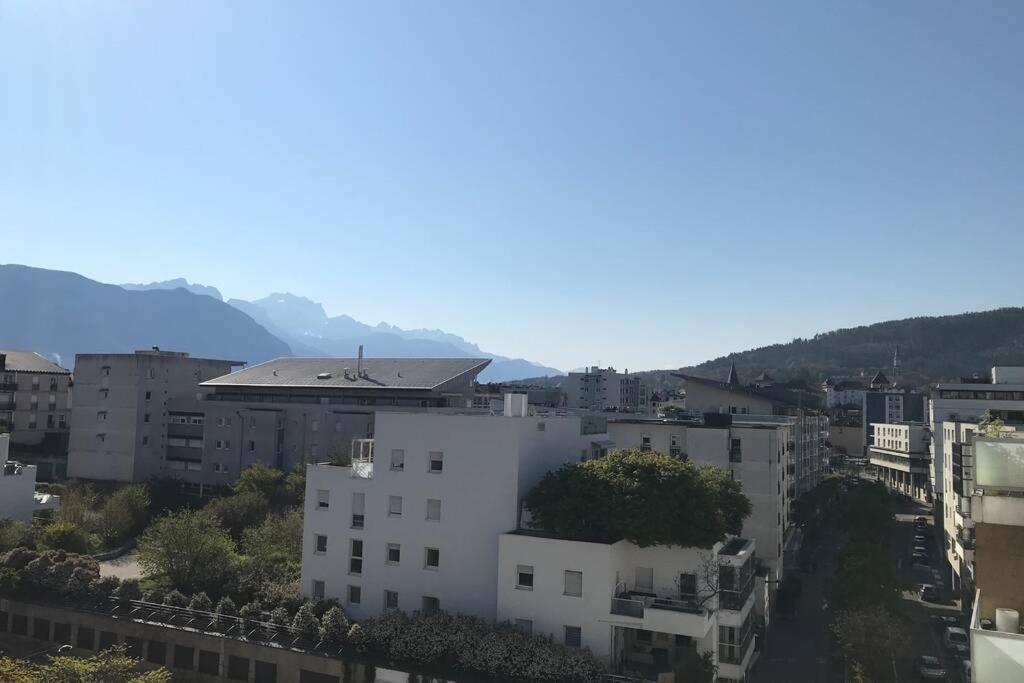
pixel 193 656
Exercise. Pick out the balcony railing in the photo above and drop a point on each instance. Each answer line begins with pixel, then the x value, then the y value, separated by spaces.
pixel 735 599
pixel 634 604
pixel 8 386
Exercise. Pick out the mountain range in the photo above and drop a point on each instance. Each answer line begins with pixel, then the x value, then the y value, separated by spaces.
pixel 60 314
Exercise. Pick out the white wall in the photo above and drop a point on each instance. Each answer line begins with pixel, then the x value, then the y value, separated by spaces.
pixel 996 657
pixel 17 491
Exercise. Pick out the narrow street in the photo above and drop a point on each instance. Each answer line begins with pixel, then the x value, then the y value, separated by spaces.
pixel 800 647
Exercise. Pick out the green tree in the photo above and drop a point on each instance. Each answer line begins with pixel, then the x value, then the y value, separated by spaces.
pixel 646 498
pixel 260 479
pixel 990 425
pixel 273 549
pixel 871 637
pixel 334 627
pixel 111 666
pixel 689 666
pixel 306 623
pixel 124 514
pixel 67 536
pixel 201 601
pixel 240 511
pixel 15 534
pixel 188 549
pixel 176 598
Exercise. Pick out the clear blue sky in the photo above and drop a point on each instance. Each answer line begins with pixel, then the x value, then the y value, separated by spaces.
pixel 640 184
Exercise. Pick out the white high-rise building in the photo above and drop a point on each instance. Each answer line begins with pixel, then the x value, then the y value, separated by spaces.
pixel 605 389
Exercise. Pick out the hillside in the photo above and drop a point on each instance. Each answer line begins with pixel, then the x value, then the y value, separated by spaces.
pixel 59 314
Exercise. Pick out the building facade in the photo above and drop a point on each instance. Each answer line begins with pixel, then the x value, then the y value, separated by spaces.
pixel 901 457
pixel 757 451
pixel 35 409
pixel 121 412
pixel 844 393
pixel 884 404
pixel 604 389
pixel 18 497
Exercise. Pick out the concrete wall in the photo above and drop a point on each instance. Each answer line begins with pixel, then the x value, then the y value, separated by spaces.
pixel 17 489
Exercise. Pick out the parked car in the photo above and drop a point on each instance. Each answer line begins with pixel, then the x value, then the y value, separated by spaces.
pixel 929 593
pixel 965 668
pixel 920 539
pixel 956 639
pixel 921 558
pixel 923 549
pixel 930 667
pixel 920 520
pixel 921 564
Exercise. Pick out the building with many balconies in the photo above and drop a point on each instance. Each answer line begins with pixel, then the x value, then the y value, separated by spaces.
pixel 35 409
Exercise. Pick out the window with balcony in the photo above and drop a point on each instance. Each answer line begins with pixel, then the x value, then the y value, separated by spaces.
pixel 524 577
pixel 572 583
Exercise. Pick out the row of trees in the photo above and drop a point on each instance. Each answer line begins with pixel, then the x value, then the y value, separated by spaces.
pixel 643 497
pixel 110 666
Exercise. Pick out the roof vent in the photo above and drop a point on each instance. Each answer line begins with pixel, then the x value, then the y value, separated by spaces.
pixel 324 375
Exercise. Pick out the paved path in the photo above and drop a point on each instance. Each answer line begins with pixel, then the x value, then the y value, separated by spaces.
pixel 124 567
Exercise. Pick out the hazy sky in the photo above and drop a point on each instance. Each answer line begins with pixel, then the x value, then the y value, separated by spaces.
pixel 640 184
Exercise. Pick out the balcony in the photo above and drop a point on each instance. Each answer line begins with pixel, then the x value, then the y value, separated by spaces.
pixel 637 609
pixel 8 386
pixel 362 458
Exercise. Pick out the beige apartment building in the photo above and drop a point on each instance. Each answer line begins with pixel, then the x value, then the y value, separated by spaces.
pixel 35 409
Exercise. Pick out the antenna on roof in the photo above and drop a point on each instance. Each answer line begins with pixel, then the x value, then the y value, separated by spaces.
pixel 359 362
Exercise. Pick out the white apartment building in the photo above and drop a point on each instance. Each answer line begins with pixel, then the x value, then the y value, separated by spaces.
pixel 757 451
pixel 415 521
pixel 633 607
pixel 844 393
pixel 605 389
pixel 901 457
pixel 120 413
pixel 997 512
pixel 967 401
pixel 18 497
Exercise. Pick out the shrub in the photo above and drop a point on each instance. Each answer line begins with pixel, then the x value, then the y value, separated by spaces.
pixel 124 514
pixel 201 601
pixel 105 587
pixel 251 611
pixel 333 627
pixel 10 581
pixel 189 550
pixel 19 557
pixel 176 599
pixel 306 623
pixel 128 590
pixel 240 511
pixel 226 607
pixel 279 616
pixel 14 534
pixel 155 595
pixel 67 536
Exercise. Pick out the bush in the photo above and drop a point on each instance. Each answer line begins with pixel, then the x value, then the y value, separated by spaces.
pixel 128 590
pixel 240 511
pixel 251 611
pixel 279 616
pixel 19 557
pixel 189 550
pixel 124 514
pixel 201 601
pixel 306 623
pixel 226 607
pixel 176 599
pixel 106 587
pixel 67 536
pixel 14 534
pixel 334 627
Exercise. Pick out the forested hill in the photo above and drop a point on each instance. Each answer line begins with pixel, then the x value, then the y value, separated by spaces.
pixel 932 349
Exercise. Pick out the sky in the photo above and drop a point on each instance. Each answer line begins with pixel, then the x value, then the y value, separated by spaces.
pixel 644 185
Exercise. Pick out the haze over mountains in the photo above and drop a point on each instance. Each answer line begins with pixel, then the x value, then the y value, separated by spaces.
pixel 60 314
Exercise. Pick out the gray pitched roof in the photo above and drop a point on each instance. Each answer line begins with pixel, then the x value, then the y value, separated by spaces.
pixel 29 361
pixel 379 373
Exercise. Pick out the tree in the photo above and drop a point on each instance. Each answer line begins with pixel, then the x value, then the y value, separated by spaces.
pixel 226 606
pixel 124 514
pixel 871 637
pixel 279 616
pixel 188 549
pixel 306 623
pixel 251 611
pixel 273 549
pixel 67 536
pixel 111 666
pixel 990 425
pixel 334 627
pixel 240 511
pixel 689 666
pixel 642 497
pixel 128 590
pixel 176 599
pixel 201 602
pixel 260 479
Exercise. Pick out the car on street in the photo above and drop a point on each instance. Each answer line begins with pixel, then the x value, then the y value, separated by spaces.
pixel 956 639
pixel 921 565
pixel 943 621
pixel 923 549
pixel 921 558
pixel 929 593
pixel 920 520
pixel 931 668
pixel 920 539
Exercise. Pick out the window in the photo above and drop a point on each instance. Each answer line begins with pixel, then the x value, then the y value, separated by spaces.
pixel 220 421
pixel 524 577
pixel 252 423
pixel 436 461
pixel 209 662
pixel 432 558
pixel 149 395
pixel 183 656
pixel 430 604
pixel 86 638
pixel 145 418
pixel 196 420
pixel 145 441
pixel 433 510
pixel 390 599
pixel 156 652
pixel 323 499
pixel 358 505
pixel 397 459
pixel 688 586
pixel 573 636
pixel 735 451
pixel 105 371
pixel 321 544
pixel 315 425
pixel 35 381
pixel 318 589
pixel 218 444
pixel 645 578
pixel 265 672
pixel 238 668
pixel 541 426
pixel 355 595
pixel 573 583
pixel 394 553
pixel 53 384
pixel 355 562
pixel 645 443
pixel 101 416
pixel 525 626
pixel 227 445
pixel 394 506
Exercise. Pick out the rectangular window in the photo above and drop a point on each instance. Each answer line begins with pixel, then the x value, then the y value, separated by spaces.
pixel 355 563
pixel 735 451
pixel 573 636
pixel 688 586
pixel 86 638
pixel 318 590
pixel 524 577
pixel 209 662
pixel 323 499
pixel 394 553
pixel 355 595
pixel 397 459
pixel 156 651
pixel 573 583
pixel 645 443
pixel 436 461
pixel 390 599
pixel 238 668
pixel 321 544
pixel 145 441
pixel 645 579
pixel 433 510
pixel 265 672
pixel 394 506
pixel 315 425
pixel 432 558
pixel 358 509
pixel 184 657
pixel 525 626
pixel 431 604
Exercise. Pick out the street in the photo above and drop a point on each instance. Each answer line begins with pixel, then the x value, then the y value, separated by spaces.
pixel 801 648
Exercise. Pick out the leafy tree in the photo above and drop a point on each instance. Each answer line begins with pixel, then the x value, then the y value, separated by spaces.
pixel 279 616
pixel 871 637
pixel 128 590
pixel 201 601
pixel 188 549
pixel 334 627
pixel 643 497
pixel 176 598
pixel 240 511
pixel 306 623
pixel 111 666
pixel 251 611
pixel 689 666
pixel 124 514
pixel 991 425
pixel 273 549
pixel 15 534
pixel 67 536
pixel 226 606
pixel 260 479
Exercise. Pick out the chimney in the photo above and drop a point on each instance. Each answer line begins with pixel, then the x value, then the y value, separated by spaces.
pixel 359 362
pixel 515 405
